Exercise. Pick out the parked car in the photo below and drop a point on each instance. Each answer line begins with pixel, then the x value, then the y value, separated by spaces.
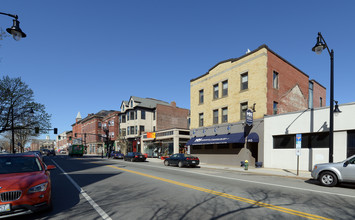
pixel 117 155
pixel 25 184
pixel 36 153
pixel 134 156
pixel 182 160
pixel 44 151
pixel 330 174
pixel 51 153
pixel 63 151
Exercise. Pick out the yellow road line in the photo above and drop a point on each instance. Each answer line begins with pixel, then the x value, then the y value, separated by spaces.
pixel 237 198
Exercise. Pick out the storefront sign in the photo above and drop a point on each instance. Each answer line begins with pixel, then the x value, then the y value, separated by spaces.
pixel 249 117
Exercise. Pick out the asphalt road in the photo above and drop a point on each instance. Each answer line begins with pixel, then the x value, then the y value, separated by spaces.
pixel 94 188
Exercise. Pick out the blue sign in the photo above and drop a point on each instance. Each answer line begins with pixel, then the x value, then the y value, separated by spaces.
pixel 249 117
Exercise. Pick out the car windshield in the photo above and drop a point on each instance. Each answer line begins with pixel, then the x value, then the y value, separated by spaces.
pixel 19 165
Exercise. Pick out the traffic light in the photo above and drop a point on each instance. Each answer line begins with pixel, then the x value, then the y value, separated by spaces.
pixel 58 137
pixel 69 138
pixel 37 130
pixel 55 130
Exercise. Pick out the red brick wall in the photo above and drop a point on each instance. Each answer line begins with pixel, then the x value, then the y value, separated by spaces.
pixel 318 91
pixel 289 79
pixel 171 117
pixel 91 127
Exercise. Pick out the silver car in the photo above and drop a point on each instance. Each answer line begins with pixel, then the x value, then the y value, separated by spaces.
pixel 330 174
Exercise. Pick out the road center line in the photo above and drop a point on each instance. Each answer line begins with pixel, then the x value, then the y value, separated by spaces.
pixel 256 182
pixel 101 212
pixel 225 195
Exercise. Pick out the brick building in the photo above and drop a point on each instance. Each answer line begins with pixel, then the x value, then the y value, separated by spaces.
pixel 261 81
pixel 90 130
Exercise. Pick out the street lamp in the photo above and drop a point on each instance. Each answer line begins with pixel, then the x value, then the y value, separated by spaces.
pixel 13 128
pixel 318 48
pixel 15 30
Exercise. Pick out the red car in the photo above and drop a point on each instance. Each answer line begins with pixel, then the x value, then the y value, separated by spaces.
pixel 25 184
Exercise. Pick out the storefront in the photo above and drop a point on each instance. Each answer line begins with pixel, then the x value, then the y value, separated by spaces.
pixel 165 142
pixel 228 144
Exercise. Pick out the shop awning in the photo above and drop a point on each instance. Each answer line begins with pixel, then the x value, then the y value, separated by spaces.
pixel 223 139
pixel 253 137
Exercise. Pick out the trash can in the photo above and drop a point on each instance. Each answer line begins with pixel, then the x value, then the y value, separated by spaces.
pixel 258 164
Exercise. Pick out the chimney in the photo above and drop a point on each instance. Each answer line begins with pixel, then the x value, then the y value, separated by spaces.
pixel 173 103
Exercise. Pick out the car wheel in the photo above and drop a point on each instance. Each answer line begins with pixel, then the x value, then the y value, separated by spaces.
pixel 166 163
pixel 180 164
pixel 328 179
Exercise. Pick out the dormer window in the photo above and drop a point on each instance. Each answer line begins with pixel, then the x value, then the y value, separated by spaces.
pixel 131 104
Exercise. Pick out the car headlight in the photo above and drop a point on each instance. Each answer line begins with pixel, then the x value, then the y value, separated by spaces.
pixel 39 188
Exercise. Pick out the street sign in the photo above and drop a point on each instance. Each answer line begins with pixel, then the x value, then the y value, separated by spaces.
pixel 249 117
pixel 298 150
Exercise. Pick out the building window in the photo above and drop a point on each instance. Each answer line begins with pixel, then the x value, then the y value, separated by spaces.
pixel 99 124
pixel 244 81
pixel 310 95
pixel 132 115
pixel 224 88
pixel 224 115
pixel 128 130
pixel 112 134
pixel 135 129
pixel 200 120
pixel 111 123
pixel 154 116
pixel 142 114
pixel 320 102
pixel 153 128
pixel 201 96
pixel 215 91
pixel 127 116
pixel 315 140
pixel 275 80
pixel 284 141
pixel 123 132
pixel 131 104
pixel 132 130
pixel 123 118
pixel 141 129
pixel 275 108
pixel 215 116
pixel 243 110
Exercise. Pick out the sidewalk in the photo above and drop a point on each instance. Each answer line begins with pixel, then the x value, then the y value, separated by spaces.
pixel 264 171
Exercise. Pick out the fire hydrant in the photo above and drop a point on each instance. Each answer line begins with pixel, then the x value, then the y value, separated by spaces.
pixel 246 164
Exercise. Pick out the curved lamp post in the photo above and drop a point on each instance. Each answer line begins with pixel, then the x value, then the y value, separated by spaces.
pixel 318 48
pixel 15 30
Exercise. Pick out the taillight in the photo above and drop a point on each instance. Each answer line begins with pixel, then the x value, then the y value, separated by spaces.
pixel 136 156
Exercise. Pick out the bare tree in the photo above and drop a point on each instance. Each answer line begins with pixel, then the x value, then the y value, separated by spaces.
pixel 123 143
pixel 19 112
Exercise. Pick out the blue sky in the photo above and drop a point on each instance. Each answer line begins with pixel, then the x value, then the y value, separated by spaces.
pixel 91 55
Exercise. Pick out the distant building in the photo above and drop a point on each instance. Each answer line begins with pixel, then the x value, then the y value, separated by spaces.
pixel 90 130
pixel 38 144
pixel 141 115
